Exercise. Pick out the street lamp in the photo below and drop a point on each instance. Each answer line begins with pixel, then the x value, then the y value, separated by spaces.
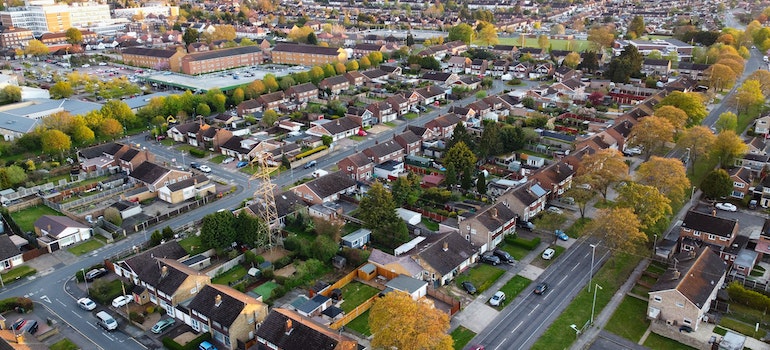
pixel 593 307
pixel 83 270
pixel 654 243
pixel 692 195
pixel 574 328
pixel 591 270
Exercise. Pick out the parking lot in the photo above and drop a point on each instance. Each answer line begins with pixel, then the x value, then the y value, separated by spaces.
pixel 223 80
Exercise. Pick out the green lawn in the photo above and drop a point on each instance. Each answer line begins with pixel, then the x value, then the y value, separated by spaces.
pixel 514 287
pixel 26 218
pixel 167 142
pixel 218 159
pixel 576 230
pixel 360 324
pixel 64 344
pixel 629 320
pixel 192 245
pixel 657 342
pixel 17 273
pixel 357 138
pixel 231 275
pixel 410 115
pixel 104 292
pixel 85 247
pixel 517 252
pixel 556 44
pixel 266 289
pixel 558 251
pixel 462 336
pixel 355 293
pixel 738 326
pixel 430 224
pixel 482 276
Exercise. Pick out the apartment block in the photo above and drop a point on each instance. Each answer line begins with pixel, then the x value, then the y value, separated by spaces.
pixel 153 58
pixel 15 37
pixel 217 60
pixel 307 55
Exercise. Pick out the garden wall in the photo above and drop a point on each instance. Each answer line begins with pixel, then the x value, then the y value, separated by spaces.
pixel 224 267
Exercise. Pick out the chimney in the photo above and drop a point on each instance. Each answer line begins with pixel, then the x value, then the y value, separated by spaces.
pixel 677 274
pixel 493 211
pixel 446 246
pixel 289 326
pixel 713 212
pixel 338 122
pixel 163 271
pixel 218 300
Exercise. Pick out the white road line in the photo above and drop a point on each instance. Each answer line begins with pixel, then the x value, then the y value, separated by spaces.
pixel 532 311
pixel 60 302
pixel 76 314
pixel 501 343
pixel 562 279
pixel 108 336
pixel 92 325
pixel 574 267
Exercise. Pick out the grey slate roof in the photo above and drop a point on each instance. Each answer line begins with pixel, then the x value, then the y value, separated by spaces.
pixel 304 334
pixel 55 225
pixel 227 311
pixel 458 251
pixel 7 248
pixel 148 172
pixel 709 223
pixel 698 273
pixel 330 184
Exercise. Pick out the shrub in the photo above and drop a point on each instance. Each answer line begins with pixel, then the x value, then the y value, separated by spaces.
pixel 113 216
pixel 310 152
pixel 527 244
pixel 136 317
pixel 16 302
pixel 197 153
pixel 286 260
pixel 268 273
pixel 149 309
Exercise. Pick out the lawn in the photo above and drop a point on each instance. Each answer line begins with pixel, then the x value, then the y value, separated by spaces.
pixel 26 218
pixel 64 344
pixel 218 159
pixel 360 324
pixel 430 224
pixel 556 44
pixel 657 342
pixel 576 230
pixel 610 277
pixel 629 320
pixel 517 252
pixel 266 289
pixel 357 138
pixel 702 168
pixel 104 292
pixel 482 276
pixel 230 275
pixel 85 247
pixel 410 115
pixel 167 142
pixel 740 327
pixel 354 294
pixel 514 287
pixel 462 336
pixel 545 263
pixel 192 245
pixel 17 273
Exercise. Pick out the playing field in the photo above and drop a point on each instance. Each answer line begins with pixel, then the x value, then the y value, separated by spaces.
pixel 556 44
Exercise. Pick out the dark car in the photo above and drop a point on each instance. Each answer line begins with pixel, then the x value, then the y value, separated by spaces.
pixel 490 259
pixel 194 165
pixel 18 324
pixel 685 328
pixel 541 288
pixel 469 287
pixel 31 327
pixel 525 225
pixel 504 256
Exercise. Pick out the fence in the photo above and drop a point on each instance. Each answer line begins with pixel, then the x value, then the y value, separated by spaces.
pixel 93 198
pixel 350 316
pixel 224 267
pixel 431 215
pixel 454 303
pixel 754 285
pixel 152 221
pixel 340 283
pixel 34 253
pixel 24 205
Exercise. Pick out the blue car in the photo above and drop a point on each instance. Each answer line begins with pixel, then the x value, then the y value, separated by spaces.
pixel 242 164
pixel 561 235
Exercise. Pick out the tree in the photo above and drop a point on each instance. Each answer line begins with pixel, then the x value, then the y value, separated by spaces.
pixel 74 36
pixel 699 140
pixel 340 68
pixel 55 141
pixel 636 27
pixel 399 322
pixel 378 212
pixel 460 158
pixel 364 63
pixel 406 189
pixel 375 58
pixel 652 133
pixel 248 229
pixel 618 229
pixel 667 175
pixel 690 102
pixel 270 82
pixel 62 89
pixel 327 140
pixel 110 128
pixel 580 194
pixel 675 116
pixel 329 70
pixel 218 230
pixel 727 147
pixel 720 76
pixel 572 60
pixel 602 169
pixel 11 93
pixel 11 176
pixel 558 29
pixel 410 39
pixel 727 121
pixel 112 215
pixel 286 82
pixel 481 183
pixel 203 109
pixel 717 184
pixel 462 32
pixel 317 74
pixel 488 34
pixel 36 48
pixel 269 118
pixel 649 205
pixel 460 134
pixel 311 39
pixel 601 37
pixel 238 96
pixel 763 77
pixel 351 65
pixel 628 64
pixel 119 111
pixel 542 41
pixel 590 62
pixel 190 36
pixel 83 135
pixel 749 95
pixel 490 143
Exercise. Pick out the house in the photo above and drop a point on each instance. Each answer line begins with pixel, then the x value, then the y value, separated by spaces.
pixel 56 232
pixel 479 67
pixel 563 73
pixel 358 166
pixel 416 288
pixel 357 239
pixel 302 93
pixel 101 157
pixel 355 78
pixel 363 116
pixel 536 53
pixel 446 79
pixel 458 64
pixel 127 209
pixel 374 76
pixel 231 317
pixel 541 70
pixel 445 256
pixel 521 70
pixel 707 229
pixel 763 244
pixel 763 191
pixel 213 137
pixel 762 126
pixel 505 50
pixel 428 95
pixel 528 199
pixel 196 186
pixel 272 100
pixel 410 142
pixel 385 151
pixel 326 188
pixel 659 67
pixel 487 227
pixel 389 170
pixel 364 49
pixel 306 55
pixel 742 178
pixel 443 126
pixel 399 104
pixel 248 107
pixel 168 283
pixel 382 112
pixel 338 128
pixel 238 147
pixel 695 71
pixel 155 176
pixel 392 70
pixel 335 85
pixel 133 157
pixel 187 132
pixel 753 161
pixel 284 329
pixel 286 203
pixel 10 255
pixel 556 177
pixel 683 294
pixel 499 68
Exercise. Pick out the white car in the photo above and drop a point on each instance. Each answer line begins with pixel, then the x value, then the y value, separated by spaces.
pixel 548 254
pixel 121 301
pixel 204 168
pixel 102 63
pixel 497 299
pixel 555 210
pixel 727 207
pixel 228 160
pixel 86 304
pixel 86 65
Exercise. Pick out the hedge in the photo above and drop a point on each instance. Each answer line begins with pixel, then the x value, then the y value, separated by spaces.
pixel 197 153
pixel 312 151
pixel 170 344
pixel 80 274
pixel 526 244
pixel 750 298
pixel 14 302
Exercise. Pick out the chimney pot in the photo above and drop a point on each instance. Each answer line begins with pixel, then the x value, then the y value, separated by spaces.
pixel 218 300
pixel 289 326
pixel 446 246
pixel 163 271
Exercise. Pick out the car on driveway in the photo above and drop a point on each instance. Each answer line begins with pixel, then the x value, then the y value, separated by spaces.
pixel 194 165
pixel 241 164
pixel 469 287
pixel 121 301
pixel 541 288
pixel 497 299
pixel 162 325
pixel 490 258
pixel 19 324
pixel 726 207
pixel 204 168
pixel 228 160
pixel 95 273
pixel 555 210
pixel 504 256
pixel 548 254
pixel 561 235
pixel 86 304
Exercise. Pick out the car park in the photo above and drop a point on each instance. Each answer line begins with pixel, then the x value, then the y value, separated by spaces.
pixel 561 235
pixel 497 299
pixel 204 168
pixel 504 256
pixel 490 258
pixel 541 288
pixel 86 304
pixel 555 210
pixel 469 287
pixel 162 325
pixel 95 273
pixel 548 254
pixel 121 301
pixel 726 206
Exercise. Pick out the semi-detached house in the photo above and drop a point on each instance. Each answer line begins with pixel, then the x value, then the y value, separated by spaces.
pixel 338 128
pixel 231 317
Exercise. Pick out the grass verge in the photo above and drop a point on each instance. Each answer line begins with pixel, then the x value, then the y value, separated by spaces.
pixel 462 336
pixel 64 344
pixel 482 276
pixel 657 342
pixel 86 247
pixel 17 273
pixel 629 319
pixel 514 287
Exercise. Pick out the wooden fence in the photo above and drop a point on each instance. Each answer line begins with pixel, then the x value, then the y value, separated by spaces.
pixel 340 283
pixel 436 217
pixel 454 303
pixel 350 316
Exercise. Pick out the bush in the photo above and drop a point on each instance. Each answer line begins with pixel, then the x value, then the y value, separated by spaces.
pixel 136 317
pixel 113 216
pixel 529 245
pixel 149 309
pixel 750 298
pixel 268 273
pixel 310 152
pixel 16 302
pixel 197 153
pixel 286 260
pixel 170 344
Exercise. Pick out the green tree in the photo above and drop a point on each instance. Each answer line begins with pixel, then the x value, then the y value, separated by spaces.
pixel 329 70
pixel 542 41
pixel 649 205
pixel 351 65
pixel 119 111
pixel 406 189
pixel 55 141
pixel 11 176
pixel 690 102
pixel 190 36
pixel 238 96
pixel 203 109
pixel 269 118
pixel 11 93
pixel 317 74
pixel 83 135
pixel 378 212
pixel 364 63
pixel 312 39
pixel 727 147
pixel 481 183
pixel 460 158
pixel 218 230
pixel 717 184
pixel 270 82
pixel 749 95
pixel 490 143
pixel 74 36
pixel 62 89
pixel 247 229
pixel 727 121
pixel 286 82
pixel 327 140
pixel 636 27
pixel 410 39
pixel 112 215
pixel 462 32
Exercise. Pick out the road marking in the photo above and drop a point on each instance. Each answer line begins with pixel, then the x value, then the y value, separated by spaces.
pixel 108 336
pixel 76 314
pixel 46 299
pixel 574 267
pixel 515 328
pixel 60 302
pixel 533 310
pixel 562 279
pixel 501 343
pixel 92 325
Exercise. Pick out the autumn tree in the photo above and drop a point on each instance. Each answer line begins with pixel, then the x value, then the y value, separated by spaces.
pixel 699 140
pixel 270 83
pixel 36 48
pixel 542 41
pixel 54 141
pixel 727 121
pixel 636 27
pixel 717 184
pixel 558 29
pixel 488 33
pixel 269 118
pixel 82 135
pixel 618 229
pixel 652 133
pixel 667 175
pixel 720 76
pixel 763 77
pixel 690 102
pixel 580 194
pixel 462 32
pixel 748 96
pixel 10 94
pixel 572 60
pixel 351 65
pixel 399 322
pixel 674 115
pixel 602 169
pixel 110 128
pixel 62 89
pixel 112 215
pixel 601 37
pixel 727 146
pixel 649 205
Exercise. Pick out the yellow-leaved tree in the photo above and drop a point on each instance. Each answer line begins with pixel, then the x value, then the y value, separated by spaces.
pixel 619 230
pixel 399 322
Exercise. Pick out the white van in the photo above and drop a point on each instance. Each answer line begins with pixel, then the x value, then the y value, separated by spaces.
pixel 106 321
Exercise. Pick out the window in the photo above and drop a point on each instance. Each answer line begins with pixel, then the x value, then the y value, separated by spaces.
pixel 696 233
pixel 687 321
pixel 657 298
pixel 679 304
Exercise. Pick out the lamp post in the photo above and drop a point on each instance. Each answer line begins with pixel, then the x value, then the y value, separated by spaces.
pixel 593 307
pixel 591 269
pixel 83 270
pixel 654 243
pixel 692 195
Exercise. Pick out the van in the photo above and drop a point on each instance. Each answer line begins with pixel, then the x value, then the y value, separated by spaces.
pixel 31 327
pixel 106 321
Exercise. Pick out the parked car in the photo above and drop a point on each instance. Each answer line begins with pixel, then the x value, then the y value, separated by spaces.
pixel 95 273
pixel 561 235
pixel 633 151
pixel 555 210
pixel 504 256
pixel 121 301
pixel 310 164
pixel 469 287
pixel 206 346
pixel 228 160
pixel 86 304
pixel 490 259
pixel 726 206
pixel 685 329
pixel 753 204
pixel 204 168
pixel 241 164
pixel 31 327
pixel 106 321
pixel 194 165
pixel 162 325
pixel 568 200
pixel 18 324
pixel 525 225
pixel 548 254
pixel 497 299
pixel 541 288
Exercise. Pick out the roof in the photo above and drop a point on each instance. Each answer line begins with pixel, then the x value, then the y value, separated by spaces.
pixel 228 310
pixel 287 203
pixel 187 183
pixel 148 172
pixel 207 55
pixel 298 89
pixel 310 49
pixel 165 274
pixel 129 155
pixel 708 223
pixel 405 261
pixel 170 250
pixel 436 76
pixel 335 80
pixel 97 151
pixel 340 125
pixel 406 284
pixel 408 137
pixel 701 271
pixel 383 149
pixel 357 234
pixel 359 159
pixel 326 186
pixel 143 51
pixel 141 101
pixel 303 333
pixel 55 225
pixel 8 249
pixel 458 250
